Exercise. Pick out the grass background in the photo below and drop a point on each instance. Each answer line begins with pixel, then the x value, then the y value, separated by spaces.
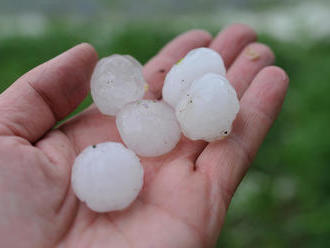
pixel 285 199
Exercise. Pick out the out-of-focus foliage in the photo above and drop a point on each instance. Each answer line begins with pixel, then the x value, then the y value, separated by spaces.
pixel 285 199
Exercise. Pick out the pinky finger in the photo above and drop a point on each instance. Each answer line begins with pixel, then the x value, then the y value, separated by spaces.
pixel 227 161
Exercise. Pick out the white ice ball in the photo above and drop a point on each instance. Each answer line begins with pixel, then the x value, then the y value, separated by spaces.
pixel 208 109
pixel 134 61
pixel 107 177
pixel 194 65
pixel 116 81
pixel 148 127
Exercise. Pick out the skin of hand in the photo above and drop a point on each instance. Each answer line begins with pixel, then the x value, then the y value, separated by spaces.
pixel 186 192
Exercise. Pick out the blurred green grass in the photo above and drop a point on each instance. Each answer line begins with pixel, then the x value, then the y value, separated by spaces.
pixel 285 198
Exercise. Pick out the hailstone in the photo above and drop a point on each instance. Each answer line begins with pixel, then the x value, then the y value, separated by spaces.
pixel 148 127
pixel 107 177
pixel 133 60
pixel 208 108
pixel 194 65
pixel 116 81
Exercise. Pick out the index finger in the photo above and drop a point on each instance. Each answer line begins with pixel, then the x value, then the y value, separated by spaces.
pixel 156 69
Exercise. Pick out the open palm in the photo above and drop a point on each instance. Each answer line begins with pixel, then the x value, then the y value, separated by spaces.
pixel 186 192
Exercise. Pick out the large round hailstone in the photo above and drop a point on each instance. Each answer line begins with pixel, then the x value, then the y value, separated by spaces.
pixel 194 65
pixel 133 60
pixel 116 81
pixel 107 177
pixel 148 127
pixel 208 109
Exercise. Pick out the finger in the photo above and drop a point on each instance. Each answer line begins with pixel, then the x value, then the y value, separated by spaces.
pixel 33 104
pixel 226 161
pixel 252 59
pixel 156 69
pixel 231 41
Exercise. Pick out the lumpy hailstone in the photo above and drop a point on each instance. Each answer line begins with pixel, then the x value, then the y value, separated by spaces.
pixel 116 81
pixel 107 177
pixel 148 127
pixel 194 65
pixel 208 108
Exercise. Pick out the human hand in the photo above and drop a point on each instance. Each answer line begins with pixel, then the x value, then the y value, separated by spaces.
pixel 186 192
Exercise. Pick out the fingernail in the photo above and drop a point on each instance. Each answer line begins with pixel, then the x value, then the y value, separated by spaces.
pixel 146 87
pixel 285 76
pixel 252 54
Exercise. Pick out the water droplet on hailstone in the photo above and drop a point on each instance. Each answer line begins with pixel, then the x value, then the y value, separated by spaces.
pixel 208 109
pixel 194 65
pixel 116 81
pixel 107 177
pixel 148 127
